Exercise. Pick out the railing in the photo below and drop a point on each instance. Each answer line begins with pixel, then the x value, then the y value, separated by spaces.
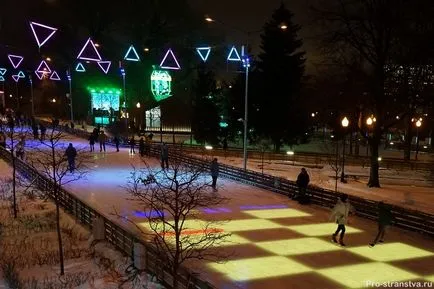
pixel 405 218
pixel 121 238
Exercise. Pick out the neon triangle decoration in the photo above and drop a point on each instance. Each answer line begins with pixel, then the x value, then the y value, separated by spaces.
pixel 21 74
pixel 2 78
pixel 15 60
pixel 134 56
pixel 204 52
pixel 43 67
pixel 105 65
pixel 16 78
pixel 80 68
pixel 234 55
pixel 40 75
pixel 54 76
pixel 3 71
pixel 171 59
pixel 45 36
pixel 93 56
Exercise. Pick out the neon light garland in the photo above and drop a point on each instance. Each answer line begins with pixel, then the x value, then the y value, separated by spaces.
pixel 40 75
pixel 235 57
pixel 2 78
pixel 15 60
pixel 21 74
pixel 16 78
pixel 80 68
pixel 54 76
pixel 134 57
pixel 53 30
pixel 97 58
pixel 162 65
pixel 206 50
pixel 43 67
pixel 161 84
pixel 104 65
pixel 3 71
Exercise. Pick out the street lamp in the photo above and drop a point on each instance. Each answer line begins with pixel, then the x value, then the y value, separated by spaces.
pixel 246 64
pixel 138 105
pixel 208 19
pixel 345 122
pixel 418 125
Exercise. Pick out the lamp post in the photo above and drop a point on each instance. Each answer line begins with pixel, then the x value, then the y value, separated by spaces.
pixel 369 122
pixel 345 122
pixel 418 125
pixel 246 64
pixel 125 96
pixel 70 95
pixel 31 95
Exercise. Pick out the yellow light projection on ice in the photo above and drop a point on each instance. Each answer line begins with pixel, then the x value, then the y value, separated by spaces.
pixel 276 213
pixel 258 268
pixel 359 276
pixel 315 230
pixel 391 252
pixel 297 246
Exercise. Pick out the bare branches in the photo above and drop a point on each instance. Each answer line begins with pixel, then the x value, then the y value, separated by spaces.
pixel 172 200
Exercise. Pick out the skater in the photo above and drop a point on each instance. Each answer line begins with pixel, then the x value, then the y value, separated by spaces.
pixel 385 219
pixel 142 147
pixel 43 129
pixel 164 156
pixel 102 139
pixel 35 131
pixel 132 144
pixel 116 141
pixel 214 173
pixel 71 153
pixel 92 142
pixel 302 182
pixel 340 213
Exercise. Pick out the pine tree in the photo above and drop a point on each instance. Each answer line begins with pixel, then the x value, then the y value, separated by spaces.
pixel 282 66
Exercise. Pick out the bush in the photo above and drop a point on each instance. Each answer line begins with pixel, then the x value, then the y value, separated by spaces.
pixel 10 274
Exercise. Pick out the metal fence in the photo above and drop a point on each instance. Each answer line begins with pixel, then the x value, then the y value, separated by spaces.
pixel 121 238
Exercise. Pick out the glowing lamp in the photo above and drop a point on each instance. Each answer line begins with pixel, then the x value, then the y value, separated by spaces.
pixel 345 122
pixel 290 153
pixel 208 148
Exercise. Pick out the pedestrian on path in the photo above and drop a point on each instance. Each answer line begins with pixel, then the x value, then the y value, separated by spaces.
pixel 164 156
pixel 43 129
pixel 116 141
pixel 2 139
pixel 71 153
pixel 385 219
pixel 92 142
pixel 340 214
pixel 142 147
pixel 132 144
pixel 102 139
pixel 214 173
pixel 20 149
pixel 302 183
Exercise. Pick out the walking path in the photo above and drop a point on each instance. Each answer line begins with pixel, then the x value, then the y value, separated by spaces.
pixel 275 242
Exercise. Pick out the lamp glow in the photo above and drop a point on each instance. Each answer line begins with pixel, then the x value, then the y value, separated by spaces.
pixel 208 148
pixel 15 60
pixel 345 122
pixel 170 54
pixel 138 105
pixel 290 153
pixel 418 123
pixel 369 121
pixel 94 57
pixel 52 29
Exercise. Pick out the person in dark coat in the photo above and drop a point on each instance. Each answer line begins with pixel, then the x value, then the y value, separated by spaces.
pixel 35 131
pixel 132 144
pixel 385 219
pixel 2 139
pixel 116 141
pixel 142 147
pixel 302 182
pixel 72 125
pixel 92 142
pixel 214 173
pixel 43 129
pixel 71 153
pixel 164 156
pixel 102 139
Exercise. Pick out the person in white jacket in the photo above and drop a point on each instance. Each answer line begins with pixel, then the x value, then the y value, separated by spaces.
pixel 340 214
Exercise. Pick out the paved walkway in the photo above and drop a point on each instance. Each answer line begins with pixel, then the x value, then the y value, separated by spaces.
pixel 275 242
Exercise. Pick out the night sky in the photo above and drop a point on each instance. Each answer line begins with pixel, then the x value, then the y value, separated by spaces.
pixel 250 15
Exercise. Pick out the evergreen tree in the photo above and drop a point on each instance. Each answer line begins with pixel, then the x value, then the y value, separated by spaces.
pixel 206 119
pixel 282 67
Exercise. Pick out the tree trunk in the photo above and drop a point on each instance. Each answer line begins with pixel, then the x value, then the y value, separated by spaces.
pixel 56 198
pixel 374 143
pixel 14 182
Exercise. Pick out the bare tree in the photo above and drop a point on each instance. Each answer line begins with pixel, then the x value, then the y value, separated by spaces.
pixel 263 146
pixel 173 198
pixel 49 158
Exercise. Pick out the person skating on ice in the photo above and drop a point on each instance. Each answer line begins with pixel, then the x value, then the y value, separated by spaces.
pixel 385 219
pixel 340 214
pixel 214 173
